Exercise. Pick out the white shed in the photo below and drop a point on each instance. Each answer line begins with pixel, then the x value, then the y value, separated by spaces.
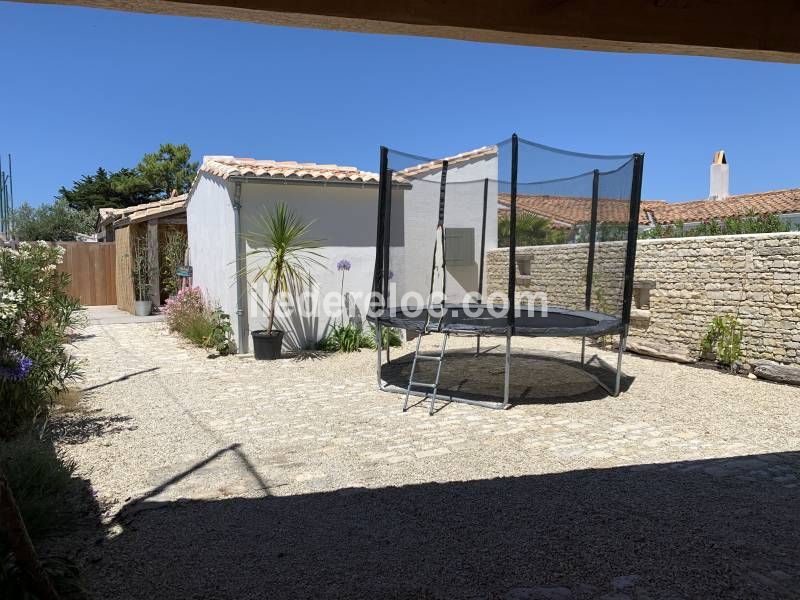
pixel 230 195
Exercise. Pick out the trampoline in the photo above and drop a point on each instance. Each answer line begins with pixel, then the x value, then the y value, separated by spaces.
pixel 483 319
pixel 559 229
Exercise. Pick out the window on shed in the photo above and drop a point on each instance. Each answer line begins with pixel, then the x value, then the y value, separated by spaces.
pixel 459 243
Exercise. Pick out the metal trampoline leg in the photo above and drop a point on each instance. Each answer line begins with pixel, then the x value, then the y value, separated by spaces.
pixel 378 339
pixel 508 370
pixel 478 346
pixel 583 350
pixel 623 338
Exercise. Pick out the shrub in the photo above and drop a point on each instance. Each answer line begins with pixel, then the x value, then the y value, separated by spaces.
pixel 36 314
pixel 191 317
pixel 749 223
pixel 532 230
pixel 52 222
pixel 346 338
pixel 724 338
pixel 41 479
pixel 389 336
pixel 187 303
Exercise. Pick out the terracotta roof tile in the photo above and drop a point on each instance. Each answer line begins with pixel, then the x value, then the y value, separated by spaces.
pixel 163 208
pixel 230 166
pixel 140 211
pixel 566 211
pixel 778 201
pixel 434 165
pixel 149 210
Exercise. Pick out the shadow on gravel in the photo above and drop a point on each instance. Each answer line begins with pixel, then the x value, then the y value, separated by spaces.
pixel 537 377
pixel 118 379
pixel 720 529
pixel 78 427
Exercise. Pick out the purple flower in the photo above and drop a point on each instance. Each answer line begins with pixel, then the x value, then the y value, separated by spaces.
pixel 16 366
pixel 343 265
pixel 391 274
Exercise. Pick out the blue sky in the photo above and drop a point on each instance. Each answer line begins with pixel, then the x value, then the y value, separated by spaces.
pixel 85 88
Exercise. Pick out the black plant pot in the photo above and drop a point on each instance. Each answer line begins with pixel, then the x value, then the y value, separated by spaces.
pixel 267 346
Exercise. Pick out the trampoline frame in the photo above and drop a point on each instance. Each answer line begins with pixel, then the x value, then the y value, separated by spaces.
pixel 381 280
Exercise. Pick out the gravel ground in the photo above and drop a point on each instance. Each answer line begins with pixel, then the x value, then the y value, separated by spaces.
pixel 230 478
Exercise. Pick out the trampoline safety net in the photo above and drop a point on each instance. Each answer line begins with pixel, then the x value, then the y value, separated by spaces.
pixel 511 231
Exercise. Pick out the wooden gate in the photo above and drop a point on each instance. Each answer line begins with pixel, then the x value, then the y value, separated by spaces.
pixel 93 270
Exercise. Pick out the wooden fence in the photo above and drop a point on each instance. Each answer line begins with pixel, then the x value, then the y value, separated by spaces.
pixel 93 270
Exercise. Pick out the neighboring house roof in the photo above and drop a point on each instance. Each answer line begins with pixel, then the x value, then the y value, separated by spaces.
pixel 568 211
pixel 152 210
pixel 777 201
pixel 452 161
pixel 230 166
pixel 121 217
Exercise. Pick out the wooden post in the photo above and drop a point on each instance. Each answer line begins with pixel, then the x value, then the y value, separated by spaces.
pixel 155 267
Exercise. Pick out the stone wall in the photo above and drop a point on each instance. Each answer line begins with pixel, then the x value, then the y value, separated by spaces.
pixel 681 284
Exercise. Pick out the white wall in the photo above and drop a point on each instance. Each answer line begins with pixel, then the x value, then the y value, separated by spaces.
pixel 463 208
pixel 345 220
pixel 212 249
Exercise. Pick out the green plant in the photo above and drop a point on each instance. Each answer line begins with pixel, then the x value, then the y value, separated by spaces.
pixel 36 316
pixel 221 336
pixel 724 339
pixel 197 328
pixel 346 338
pixel 52 222
pixel 142 269
pixel 749 223
pixel 532 230
pixel 174 255
pixel 41 479
pixel 156 176
pixel 288 255
pixel 192 317
pixel 390 336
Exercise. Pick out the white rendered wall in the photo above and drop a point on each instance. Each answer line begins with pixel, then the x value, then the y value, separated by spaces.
pixel 345 220
pixel 212 249
pixel 463 208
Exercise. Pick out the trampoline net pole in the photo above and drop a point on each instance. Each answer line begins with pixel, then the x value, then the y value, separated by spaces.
pixel 378 340
pixel 592 238
pixel 387 235
pixel 377 279
pixel 483 241
pixel 633 232
pixel 507 378
pixel 438 241
pixel 512 245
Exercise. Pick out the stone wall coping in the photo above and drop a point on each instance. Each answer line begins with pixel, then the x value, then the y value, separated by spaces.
pixel 704 239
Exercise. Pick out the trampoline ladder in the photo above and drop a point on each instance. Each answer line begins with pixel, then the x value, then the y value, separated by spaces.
pixel 433 387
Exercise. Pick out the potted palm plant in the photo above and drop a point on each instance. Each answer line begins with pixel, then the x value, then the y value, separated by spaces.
pixel 142 269
pixel 285 257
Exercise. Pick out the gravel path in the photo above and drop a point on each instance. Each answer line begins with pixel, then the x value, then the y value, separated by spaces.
pixel 230 478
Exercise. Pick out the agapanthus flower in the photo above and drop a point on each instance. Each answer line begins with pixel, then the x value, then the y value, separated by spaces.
pixel 343 265
pixel 15 366
pixel 391 274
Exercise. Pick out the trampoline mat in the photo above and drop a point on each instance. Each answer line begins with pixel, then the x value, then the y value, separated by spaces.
pixel 480 318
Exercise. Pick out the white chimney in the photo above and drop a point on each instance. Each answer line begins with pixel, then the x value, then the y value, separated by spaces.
pixel 718 182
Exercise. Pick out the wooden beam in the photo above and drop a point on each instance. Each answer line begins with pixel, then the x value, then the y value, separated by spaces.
pixel 749 29
pixel 155 267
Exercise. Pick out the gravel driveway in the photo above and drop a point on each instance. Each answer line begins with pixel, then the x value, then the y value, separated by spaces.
pixel 230 478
